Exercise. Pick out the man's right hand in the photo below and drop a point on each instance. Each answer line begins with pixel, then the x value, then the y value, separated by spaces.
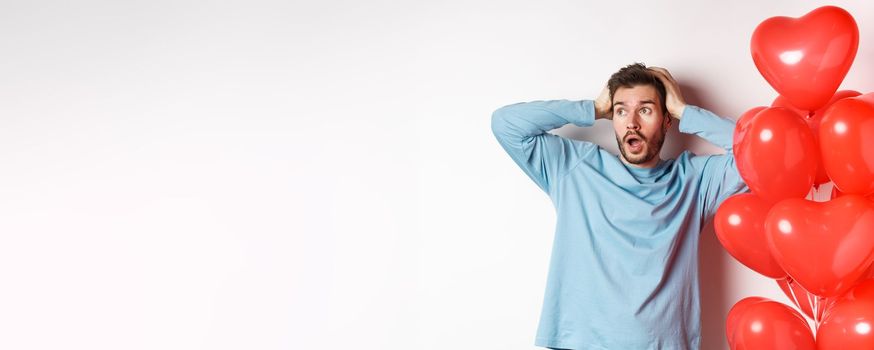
pixel 603 107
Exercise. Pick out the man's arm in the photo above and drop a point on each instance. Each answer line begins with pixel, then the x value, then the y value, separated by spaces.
pixel 521 129
pixel 720 178
pixel 709 126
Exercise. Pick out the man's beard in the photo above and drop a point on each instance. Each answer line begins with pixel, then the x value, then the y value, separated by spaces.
pixel 651 148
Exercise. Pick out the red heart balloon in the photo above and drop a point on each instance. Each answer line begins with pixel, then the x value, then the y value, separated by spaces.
pixel 743 124
pixel 849 324
pixel 734 315
pixel 846 143
pixel 777 157
pixel 806 59
pixel 826 247
pixel 740 226
pixel 772 325
pixel 813 120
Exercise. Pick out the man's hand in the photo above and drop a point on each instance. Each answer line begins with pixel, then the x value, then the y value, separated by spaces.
pixel 603 107
pixel 674 101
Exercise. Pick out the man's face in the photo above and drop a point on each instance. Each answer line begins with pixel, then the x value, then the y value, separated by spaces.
pixel 639 124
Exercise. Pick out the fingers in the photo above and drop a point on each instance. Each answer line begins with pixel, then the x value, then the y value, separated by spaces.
pixel 603 109
pixel 605 93
pixel 674 101
pixel 659 69
pixel 663 74
pixel 666 78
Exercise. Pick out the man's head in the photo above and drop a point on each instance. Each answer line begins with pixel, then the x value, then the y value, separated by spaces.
pixel 640 117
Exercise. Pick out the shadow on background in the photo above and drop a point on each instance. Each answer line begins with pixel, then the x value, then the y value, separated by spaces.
pixel 712 266
pixel 712 262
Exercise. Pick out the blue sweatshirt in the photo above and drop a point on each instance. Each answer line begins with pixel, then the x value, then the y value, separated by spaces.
pixel 624 267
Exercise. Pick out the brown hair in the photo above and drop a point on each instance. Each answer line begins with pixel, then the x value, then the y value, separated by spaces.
pixel 637 74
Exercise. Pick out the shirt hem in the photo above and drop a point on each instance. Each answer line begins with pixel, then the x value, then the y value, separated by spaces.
pixel 554 343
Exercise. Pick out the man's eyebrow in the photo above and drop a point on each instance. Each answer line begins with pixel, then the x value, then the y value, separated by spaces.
pixel 620 103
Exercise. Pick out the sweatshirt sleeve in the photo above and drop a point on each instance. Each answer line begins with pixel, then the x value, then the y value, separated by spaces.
pixel 719 177
pixel 521 129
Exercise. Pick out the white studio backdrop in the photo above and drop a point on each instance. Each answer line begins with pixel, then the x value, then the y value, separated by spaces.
pixel 321 175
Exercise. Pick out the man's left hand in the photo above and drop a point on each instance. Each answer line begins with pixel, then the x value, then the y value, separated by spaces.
pixel 674 101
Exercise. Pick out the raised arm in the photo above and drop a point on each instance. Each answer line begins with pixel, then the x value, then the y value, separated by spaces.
pixel 720 178
pixel 521 129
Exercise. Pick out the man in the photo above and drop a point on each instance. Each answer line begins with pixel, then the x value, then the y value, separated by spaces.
pixel 623 273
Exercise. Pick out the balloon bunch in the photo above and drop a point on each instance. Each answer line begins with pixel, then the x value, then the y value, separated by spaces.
pixel 820 253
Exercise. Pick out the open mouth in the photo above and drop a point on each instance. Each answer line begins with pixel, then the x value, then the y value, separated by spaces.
pixel 634 142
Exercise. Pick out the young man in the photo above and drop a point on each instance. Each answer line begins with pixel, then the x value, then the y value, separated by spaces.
pixel 623 272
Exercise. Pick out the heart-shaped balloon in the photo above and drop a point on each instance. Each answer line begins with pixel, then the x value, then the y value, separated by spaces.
pixel 743 124
pixel 813 120
pixel 805 59
pixel 846 137
pixel 740 226
pixel 777 156
pixel 849 324
pixel 771 325
pixel 734 315
pixel 824 246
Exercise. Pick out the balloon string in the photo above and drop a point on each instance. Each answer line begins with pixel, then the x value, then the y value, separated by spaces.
pixel 814 306
pixel 792 291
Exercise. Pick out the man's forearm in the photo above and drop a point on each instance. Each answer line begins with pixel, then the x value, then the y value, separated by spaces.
pixel 533 118
pixel 521 129
pixel 703 123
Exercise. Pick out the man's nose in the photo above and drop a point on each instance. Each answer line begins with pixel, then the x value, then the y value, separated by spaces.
pixel 632 123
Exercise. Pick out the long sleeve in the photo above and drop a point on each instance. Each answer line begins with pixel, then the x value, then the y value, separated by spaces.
pixel 720 178
pixel 521 129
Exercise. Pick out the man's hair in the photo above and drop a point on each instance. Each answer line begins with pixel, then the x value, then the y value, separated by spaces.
pixel 637 74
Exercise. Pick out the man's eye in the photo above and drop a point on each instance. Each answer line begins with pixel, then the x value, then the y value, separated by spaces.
pixel 644 110
pixel 620 112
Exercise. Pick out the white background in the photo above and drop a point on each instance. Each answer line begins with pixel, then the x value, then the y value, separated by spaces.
pixel 281 175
